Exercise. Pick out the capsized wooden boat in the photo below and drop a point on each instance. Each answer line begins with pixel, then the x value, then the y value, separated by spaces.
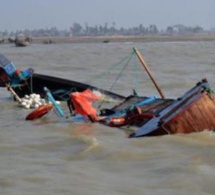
pixel 192 112
pixel 143 116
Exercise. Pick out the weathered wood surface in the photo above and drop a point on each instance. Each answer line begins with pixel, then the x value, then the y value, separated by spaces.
pixel 198 116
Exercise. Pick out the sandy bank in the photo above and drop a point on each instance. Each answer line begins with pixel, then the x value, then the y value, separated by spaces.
pixel 107 39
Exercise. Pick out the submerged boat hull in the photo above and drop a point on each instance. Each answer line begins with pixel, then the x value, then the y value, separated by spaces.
pixel 27 82
pixel 193 112
pixel 60 88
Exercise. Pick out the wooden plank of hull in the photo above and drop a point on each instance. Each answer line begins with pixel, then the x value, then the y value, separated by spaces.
pixel 197 117
pixel 209 110
pixel 179 124
pixel 183 122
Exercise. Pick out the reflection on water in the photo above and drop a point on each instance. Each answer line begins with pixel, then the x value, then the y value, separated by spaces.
pixel 54 156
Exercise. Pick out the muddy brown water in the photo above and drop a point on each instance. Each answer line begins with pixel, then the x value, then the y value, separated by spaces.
pixel 53 156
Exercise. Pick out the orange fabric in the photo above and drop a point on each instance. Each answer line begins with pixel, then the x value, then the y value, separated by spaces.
pixel 83 103
pixel 90 95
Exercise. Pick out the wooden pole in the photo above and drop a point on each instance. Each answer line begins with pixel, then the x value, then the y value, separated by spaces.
pixel 4 77
pixel 13 92
pixel 143 62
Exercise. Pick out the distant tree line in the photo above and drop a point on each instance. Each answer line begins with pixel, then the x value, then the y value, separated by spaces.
pixel 105 30
pixel 99 30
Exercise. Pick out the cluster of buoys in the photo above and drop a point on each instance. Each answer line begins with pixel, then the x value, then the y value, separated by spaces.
pixel 32 101
pixel 40 106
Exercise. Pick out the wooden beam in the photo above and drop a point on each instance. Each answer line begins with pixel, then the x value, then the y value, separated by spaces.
pixel 143 62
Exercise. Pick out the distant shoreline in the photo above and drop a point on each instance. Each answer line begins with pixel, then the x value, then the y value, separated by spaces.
pixel 120 38
pixel 107 39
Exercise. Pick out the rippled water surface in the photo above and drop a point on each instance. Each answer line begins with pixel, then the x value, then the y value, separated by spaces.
pixel 50 156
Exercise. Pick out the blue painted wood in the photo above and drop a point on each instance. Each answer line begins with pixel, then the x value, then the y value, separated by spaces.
pixel 52 100
pixel 123 112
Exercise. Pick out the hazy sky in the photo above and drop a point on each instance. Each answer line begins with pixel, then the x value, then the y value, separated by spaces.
pixel 36 14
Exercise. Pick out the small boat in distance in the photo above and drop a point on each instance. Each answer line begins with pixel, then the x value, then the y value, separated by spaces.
pixel 22 41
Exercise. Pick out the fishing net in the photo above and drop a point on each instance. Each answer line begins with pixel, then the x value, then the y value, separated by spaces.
pixel 122 77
